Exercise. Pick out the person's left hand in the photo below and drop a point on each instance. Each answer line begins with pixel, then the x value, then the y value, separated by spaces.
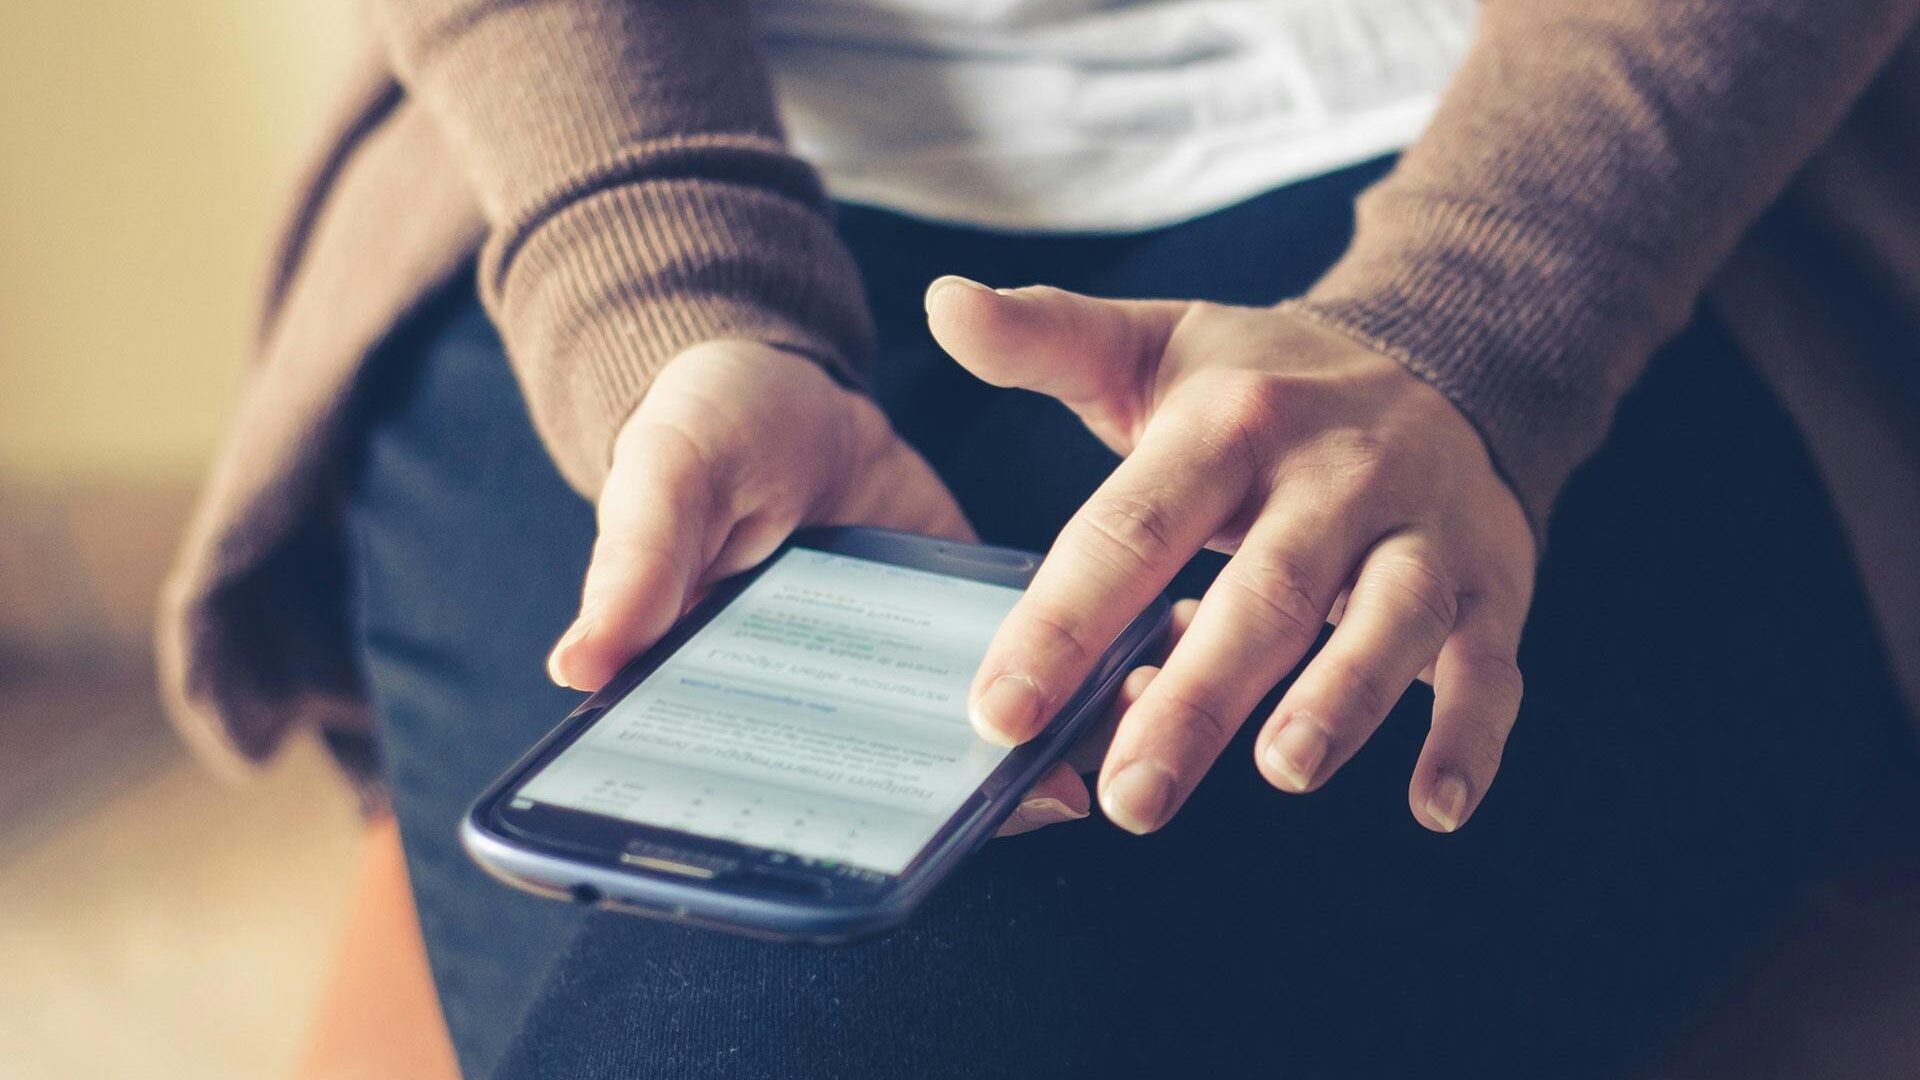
pixel 1345 489
pixel 734 446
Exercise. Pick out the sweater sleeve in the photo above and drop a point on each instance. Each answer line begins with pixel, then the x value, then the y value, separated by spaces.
pixel 1592 164
pixel 639 199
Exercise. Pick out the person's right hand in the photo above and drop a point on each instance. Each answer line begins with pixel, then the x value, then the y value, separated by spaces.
pixel 1344 487
pixel 735 445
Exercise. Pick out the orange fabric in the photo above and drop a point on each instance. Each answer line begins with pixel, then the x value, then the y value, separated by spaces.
pixel 379 1017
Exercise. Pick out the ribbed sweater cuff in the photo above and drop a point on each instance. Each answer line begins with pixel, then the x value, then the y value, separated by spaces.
pixel 602 293
pixel 1520 324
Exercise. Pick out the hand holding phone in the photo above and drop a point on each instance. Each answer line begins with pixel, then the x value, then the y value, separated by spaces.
pixel 793 759
pixel 734 446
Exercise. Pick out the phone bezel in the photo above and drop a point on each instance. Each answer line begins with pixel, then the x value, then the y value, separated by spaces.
pixel 763 891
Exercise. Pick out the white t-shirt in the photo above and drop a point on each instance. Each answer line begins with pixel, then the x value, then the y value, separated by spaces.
pixel 1084 115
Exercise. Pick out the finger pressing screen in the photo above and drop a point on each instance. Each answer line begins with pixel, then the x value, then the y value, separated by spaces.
pixel 1091 749
pixel 1142 525
pixel 1046 804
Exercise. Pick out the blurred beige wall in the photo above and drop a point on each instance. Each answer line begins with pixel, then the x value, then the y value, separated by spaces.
pixel 144 148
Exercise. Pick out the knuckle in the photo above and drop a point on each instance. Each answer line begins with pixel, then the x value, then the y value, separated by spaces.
pixel 1356 469
pixel 670 469
pixel 1131 533
pixel 1508 590
pixel 1361 463
pixel 1497 673
pixel 1198 715
pixel 620 556
pixel 1411 583
pixel 1252 401
pixel 621 575
pixel 1059 631
pixel 1249 413
pixel 666 449
pixel 1276 589
pixel 1359 690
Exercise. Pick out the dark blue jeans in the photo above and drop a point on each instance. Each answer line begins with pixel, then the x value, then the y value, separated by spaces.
pixel 1709 729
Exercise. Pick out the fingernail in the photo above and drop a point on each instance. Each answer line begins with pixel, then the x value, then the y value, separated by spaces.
pixel 948 280
pixel 567 640
pixel 1447 804
pixel 1297 753
pixel 1008 711
pixel 1046 810
pixel 1139 797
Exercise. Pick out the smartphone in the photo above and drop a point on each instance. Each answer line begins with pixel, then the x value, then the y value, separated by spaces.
pixel 793 760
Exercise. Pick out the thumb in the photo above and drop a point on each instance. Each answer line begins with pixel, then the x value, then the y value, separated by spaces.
pixel 1079 349
pixel 656 514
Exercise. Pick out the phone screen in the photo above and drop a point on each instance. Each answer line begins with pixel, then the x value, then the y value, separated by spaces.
pixel 821 713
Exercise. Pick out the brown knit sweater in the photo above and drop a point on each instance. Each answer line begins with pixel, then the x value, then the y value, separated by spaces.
pixel 1596 169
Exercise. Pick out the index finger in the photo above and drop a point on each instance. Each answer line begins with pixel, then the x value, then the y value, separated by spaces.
pixel 1163 503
